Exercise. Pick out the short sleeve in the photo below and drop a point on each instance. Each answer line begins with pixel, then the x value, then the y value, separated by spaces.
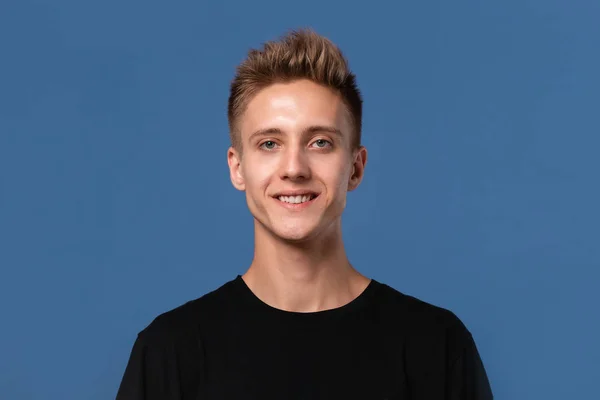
pixel 152 372
pixel 133 383
pixel 467 378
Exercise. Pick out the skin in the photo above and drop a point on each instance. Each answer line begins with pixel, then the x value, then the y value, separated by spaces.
pixel 299 263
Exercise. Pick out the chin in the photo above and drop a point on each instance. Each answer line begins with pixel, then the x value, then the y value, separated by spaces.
pixel 296 234
pixel 294 237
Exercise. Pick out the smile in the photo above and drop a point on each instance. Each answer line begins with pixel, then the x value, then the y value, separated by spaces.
pixel 296 203
pixel 296 199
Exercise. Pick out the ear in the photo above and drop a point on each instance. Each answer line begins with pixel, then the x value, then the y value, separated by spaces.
pixel 358 168
pixel 234 160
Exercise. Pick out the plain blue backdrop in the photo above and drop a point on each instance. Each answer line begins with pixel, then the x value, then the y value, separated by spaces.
pixel 481 192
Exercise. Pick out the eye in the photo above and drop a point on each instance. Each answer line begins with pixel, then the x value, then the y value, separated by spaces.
pixel 268 145
pixel 322 143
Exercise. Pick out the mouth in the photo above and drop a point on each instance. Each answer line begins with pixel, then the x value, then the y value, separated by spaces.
pixel 298 199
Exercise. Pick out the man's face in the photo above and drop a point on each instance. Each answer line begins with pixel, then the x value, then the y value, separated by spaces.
pixel 297 162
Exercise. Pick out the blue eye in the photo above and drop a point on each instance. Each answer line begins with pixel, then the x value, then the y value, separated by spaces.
pixel 269 145
pixel 322 143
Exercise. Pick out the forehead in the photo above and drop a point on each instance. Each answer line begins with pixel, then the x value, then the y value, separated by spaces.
pixel 292 107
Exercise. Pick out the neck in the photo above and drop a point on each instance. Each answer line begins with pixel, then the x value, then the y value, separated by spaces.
pixel 303 277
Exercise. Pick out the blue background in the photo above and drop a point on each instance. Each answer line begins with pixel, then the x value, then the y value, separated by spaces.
pixel 481 192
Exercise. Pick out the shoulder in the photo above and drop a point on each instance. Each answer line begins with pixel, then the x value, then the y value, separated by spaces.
pixel 437 347
pixel 170 351
pixel 419 319
pixel 186 319
pixel 423 314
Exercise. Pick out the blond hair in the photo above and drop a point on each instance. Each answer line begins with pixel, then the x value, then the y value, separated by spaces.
pixel 301 54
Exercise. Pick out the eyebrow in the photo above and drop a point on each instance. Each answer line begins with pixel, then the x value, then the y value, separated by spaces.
pixel 310 129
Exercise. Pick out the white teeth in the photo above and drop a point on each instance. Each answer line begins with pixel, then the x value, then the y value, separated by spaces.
pixel 295 199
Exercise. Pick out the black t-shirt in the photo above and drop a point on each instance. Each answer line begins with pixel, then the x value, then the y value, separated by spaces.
pixel 228 344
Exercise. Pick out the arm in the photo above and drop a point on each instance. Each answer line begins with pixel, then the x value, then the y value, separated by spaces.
pixel 133 383
pixel 467 378
pixel 151 372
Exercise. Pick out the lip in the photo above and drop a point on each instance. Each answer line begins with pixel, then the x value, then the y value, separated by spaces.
pixel 299 192
pixel 299 206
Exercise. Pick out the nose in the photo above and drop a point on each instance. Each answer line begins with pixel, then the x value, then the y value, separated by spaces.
pixel 295 165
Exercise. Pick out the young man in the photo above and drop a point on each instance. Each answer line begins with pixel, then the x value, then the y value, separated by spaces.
pixel 302 322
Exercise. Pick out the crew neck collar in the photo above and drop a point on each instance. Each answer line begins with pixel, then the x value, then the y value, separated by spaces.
pixel 255 302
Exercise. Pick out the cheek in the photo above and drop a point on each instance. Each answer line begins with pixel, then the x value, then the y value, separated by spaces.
pixel 337 183
pixel 256 176
pixel 334 173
